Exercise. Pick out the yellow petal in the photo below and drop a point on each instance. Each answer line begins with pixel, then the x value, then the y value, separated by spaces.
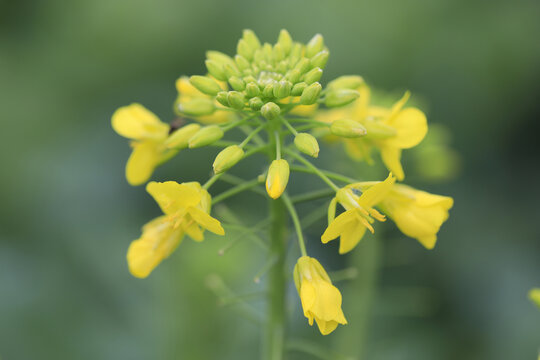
pixel 411 127
pixel 194 231
pixel 173 197
pixel 351 236
pixel 308 297
pixel 326 327
pixel 391 157
pixel 396 108
pixel 136 122
pixel 376 193
pixel 206 221
pixel 338 225
pixel 142 162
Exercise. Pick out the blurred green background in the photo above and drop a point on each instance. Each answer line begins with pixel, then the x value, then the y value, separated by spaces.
pixel 67 214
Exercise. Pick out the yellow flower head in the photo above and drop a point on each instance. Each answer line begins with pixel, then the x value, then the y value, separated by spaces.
pixel 186 209
pixel 148 134
pixel 320 299
pixel 389 130
pixel 417 214
pixel 358 216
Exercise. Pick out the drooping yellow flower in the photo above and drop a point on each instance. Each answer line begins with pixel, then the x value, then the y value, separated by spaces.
pixel 389 130
pixel 186 209
pixel 186 92
pixel 148 134
pixel 534 295
pixel 359 214
pixel 321 301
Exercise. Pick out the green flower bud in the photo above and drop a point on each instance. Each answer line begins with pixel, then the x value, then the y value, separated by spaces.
pixel 222 98
pixel 230 70
pixel 205 85
pixel 252 90
pixel 320 59
pixel 296 51
pixel 285 40
pixel 267 52
pixel 315 45
pixel 197 107
pixel 251 39
pixel 179 139
pixel 249 79
pixel 215 69
pixel 307 144
pixel 244 49
pixel 255 103
pixel 303 65
pixel 313 75
pixel 340 97
pixel 268 90
pixel 310 95
pixel 227 158
pixel 236 100
pixel 282 66
pixel 205 136
pixel 347 128
pixel 237 83
pixel 346 82
pixel 241 62
pixel 282 89
pixel 270 110
pixel 378 130
pixel 298 89
pixel 278 52
pixel 219 57
pixel 293 76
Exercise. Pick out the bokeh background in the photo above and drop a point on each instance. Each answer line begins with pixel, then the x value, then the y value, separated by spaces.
pixel 67 214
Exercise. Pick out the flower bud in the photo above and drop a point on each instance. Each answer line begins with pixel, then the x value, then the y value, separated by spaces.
pixel 282 89
pixel 251 39
pixel 250 79
pixel 534 295
pixel 293 76
pixel 278 176
pixel 230 70
pixel 219 57
pixel 346 82
pixel 215 69
pixel 244 49
pixel 221 97
pixel 270 110
pixel 311 94
pixel 227 158
pixel 255 103
pixel 236 100
pixel 307 144
pixel 340 97
pixel 315 45
pixel 252 90
pixel 197 107
pixel 313 75
pixel 347 128
pixel 241 62
pixel 179 138
pixel 303 65
pixel 205 85
pixel 268 90
pixel 285 40
pixel 205 136
pixel 378 130
pixel 237 83
pixel 320 59
pixel 298 89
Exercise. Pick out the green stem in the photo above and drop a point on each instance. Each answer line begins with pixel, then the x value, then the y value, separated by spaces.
pixel 211 181
pixel 250 136
pixel 331 175
pixel 288 125
pixel 296 222
pixel 313 168
pixel 235 190
pixel 313 195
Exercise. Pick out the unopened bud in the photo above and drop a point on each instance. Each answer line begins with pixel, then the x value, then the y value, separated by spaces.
pixel 294 76
pixel 303 65
pixel 310 95
pixel 320 59
pixel 221 97
pixel 227 158
pixel 270 110
pixel 179 139
pixel 255 103
pixel 251 39
pixel 282 89
pixel 231 70
pixel 379 130
pixel 298 89
pixel 215 69
pixel 347 128
pixel 346 82
pixel 236 100
pixel 244 49
pixel 252 89
pixel 278 52
pixel 197 107
pixel 237 83
pixel 205 85
pixel 285 40
pixel 268 90
pixel 340 97
pixel 307 144
pixel 219 57
pixel 313 75
pixel 315 45
pixel 277 179
pixel 241 62
pixel 205 136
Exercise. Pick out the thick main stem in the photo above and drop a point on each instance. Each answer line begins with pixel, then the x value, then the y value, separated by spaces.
pixel 275 325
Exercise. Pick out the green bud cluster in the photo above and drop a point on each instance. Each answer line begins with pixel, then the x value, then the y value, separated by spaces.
pixel 262 74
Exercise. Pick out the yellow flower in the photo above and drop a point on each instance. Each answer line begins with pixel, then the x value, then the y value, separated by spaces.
pixel 534 295
pixel 389 130
pixel 277 178
pixel 351 225
pixel 148 134
pixel 187 92
pixel 320 299
pixel 186 209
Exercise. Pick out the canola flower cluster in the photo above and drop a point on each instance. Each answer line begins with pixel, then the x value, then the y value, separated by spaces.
pixel 273 93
